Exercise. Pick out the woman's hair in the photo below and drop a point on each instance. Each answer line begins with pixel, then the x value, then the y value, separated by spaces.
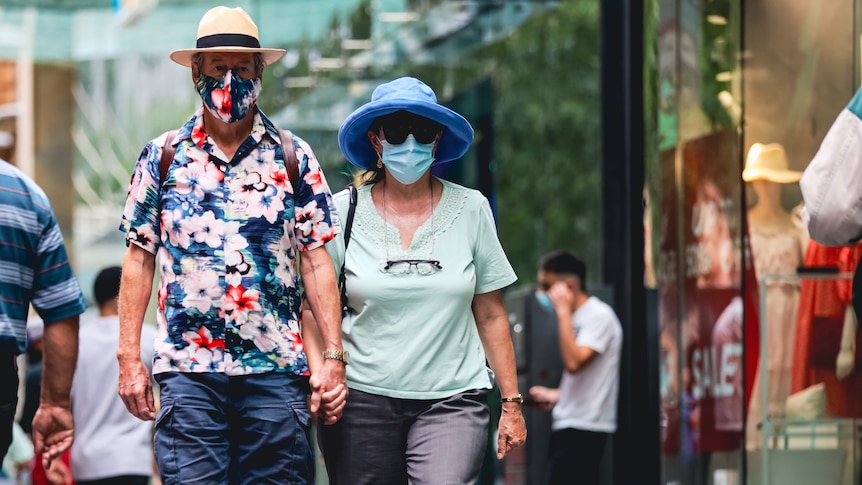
pixel 369 177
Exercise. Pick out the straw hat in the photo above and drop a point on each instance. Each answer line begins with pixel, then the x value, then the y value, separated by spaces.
pixel 768 162
pixel 407 94
pixel 224 29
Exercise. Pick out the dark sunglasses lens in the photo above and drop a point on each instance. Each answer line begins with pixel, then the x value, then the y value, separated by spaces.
pixel 425 133
pixel 395 134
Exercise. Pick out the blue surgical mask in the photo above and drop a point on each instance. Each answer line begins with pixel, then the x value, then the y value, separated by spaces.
pixel 409 160
pixel 228 98
pixel 545 301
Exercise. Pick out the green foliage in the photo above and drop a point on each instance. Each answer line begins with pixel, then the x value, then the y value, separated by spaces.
pixel 547 133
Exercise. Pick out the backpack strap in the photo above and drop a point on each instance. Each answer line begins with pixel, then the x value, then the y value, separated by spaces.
pixel 168 152
pixel 289 153
pixel 342 278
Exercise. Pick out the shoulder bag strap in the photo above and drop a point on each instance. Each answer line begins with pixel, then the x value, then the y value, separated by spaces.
pixel 168 152
pixel 348 227
pixel 288 151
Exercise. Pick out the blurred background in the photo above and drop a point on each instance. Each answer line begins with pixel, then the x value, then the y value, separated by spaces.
pixel 617 129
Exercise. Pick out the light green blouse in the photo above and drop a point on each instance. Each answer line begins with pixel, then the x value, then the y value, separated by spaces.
pixel 412 335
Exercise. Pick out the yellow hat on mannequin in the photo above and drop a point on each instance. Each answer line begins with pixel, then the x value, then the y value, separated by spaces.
pixel 768 162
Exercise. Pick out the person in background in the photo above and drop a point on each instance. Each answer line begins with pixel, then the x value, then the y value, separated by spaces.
pixel 32 372
pixel 111 447
pixel 584 407
pixel 229 217
pixel 35 269
pixel 424 271
pixel 18 462
pixel 60 472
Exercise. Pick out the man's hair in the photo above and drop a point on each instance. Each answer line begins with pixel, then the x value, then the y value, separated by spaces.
pixel 107 284
pixel 560 262
pixel 198 59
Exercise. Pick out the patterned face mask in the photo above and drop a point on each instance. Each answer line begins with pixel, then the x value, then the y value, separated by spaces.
pixel 229 98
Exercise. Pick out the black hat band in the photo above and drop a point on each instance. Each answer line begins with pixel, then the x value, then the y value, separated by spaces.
pixel 228 40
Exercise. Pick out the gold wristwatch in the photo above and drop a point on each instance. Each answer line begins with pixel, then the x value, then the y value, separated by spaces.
pixel 336 355
pixel 518 399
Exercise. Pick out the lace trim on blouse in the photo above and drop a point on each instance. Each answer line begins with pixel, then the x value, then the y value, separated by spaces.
pixel 387 237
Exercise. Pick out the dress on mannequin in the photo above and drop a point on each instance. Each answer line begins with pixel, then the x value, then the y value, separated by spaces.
pixel 822 305
pixel 778 247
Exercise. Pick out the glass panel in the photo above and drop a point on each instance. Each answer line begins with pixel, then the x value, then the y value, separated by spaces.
pixel 801 70
pixel 695 200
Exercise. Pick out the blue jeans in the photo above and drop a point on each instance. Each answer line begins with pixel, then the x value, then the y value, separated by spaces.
pixel 239 430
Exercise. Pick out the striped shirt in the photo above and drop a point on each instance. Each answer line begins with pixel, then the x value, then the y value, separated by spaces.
pixel 34 267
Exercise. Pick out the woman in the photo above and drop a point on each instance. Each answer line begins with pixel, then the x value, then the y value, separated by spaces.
pixel 424 272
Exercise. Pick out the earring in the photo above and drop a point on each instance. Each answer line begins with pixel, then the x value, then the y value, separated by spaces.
pixel 379 162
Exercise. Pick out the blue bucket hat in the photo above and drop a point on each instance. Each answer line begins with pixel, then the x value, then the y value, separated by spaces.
pixel 408 94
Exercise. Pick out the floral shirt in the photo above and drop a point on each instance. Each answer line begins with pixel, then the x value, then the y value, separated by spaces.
pixel 226 233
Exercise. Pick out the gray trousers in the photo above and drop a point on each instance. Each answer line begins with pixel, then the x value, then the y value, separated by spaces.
pixel 387 441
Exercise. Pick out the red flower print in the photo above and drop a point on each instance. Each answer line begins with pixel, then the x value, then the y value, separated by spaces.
pixel 242 300
pixel 203 338
pixel 221 98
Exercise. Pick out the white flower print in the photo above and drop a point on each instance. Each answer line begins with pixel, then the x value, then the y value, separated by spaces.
pixel 236 267
pixel 173 223
pixel 308 217
pixel 282 250
pixel 197 178
pixel 267 204
pixel 206 229
pixel 262 330
pixel 202 290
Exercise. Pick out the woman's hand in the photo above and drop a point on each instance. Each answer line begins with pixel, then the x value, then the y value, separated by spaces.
pixel 512 431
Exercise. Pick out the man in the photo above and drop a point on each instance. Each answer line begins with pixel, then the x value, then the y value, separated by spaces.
pixel 585 404
pixel 34 268
pixel 228 222
pixel 112 447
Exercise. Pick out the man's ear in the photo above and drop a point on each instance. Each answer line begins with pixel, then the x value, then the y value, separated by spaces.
pixel 574 284
pixel 195 73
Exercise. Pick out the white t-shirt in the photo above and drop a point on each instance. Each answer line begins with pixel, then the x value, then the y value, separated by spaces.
pixel 588 398
pixel 109 441
pixel 413 336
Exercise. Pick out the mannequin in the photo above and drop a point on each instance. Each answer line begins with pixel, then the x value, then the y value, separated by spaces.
pixel 778 247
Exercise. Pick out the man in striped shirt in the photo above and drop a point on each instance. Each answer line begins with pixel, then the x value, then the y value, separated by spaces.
pixel 34 269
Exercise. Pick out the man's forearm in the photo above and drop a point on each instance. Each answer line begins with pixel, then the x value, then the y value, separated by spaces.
pixel 572 361
pixel 135 289
pixel 311 340
pixel 321 290
pixel 60 356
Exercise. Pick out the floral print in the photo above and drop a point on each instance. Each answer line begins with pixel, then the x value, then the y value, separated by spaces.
pixel 226 233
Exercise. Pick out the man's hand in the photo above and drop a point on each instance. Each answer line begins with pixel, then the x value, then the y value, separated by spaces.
pixel 512 432
pixel 135 388
pixel 59 473
pixel 329 391
pixel 563 298
pixel 53 432
pixel 544 398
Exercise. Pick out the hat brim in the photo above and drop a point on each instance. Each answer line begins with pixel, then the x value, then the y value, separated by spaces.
pixel 183 57
pixel 777 176
pixel 353 134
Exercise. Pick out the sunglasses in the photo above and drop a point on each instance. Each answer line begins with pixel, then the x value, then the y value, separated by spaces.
pixel 404 266
pixel 396 129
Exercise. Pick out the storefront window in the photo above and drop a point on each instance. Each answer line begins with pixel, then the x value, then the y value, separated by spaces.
pixel 752 387
pixel 695 198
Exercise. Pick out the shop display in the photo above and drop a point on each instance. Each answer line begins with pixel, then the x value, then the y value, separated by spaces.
pixel 778 246
pixel 820 332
